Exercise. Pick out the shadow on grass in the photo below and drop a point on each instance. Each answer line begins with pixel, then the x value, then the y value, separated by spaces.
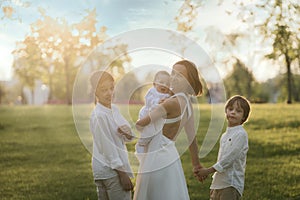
pixel 258 124
pixel 259 150
pixel 272 172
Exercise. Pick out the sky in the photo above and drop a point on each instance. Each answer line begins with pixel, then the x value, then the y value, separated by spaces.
pixel 120 16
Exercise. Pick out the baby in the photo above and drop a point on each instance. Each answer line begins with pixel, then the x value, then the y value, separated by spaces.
pixel 154 96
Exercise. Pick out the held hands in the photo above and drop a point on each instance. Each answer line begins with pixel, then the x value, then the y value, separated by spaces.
pixel 200 173
pixel 126 131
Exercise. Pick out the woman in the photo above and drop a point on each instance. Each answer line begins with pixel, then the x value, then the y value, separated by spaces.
pixel 161 175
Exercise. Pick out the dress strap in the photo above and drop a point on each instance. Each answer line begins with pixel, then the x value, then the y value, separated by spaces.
pixel 187 106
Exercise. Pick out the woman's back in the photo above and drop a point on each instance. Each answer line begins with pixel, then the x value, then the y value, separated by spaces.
pixel 178 112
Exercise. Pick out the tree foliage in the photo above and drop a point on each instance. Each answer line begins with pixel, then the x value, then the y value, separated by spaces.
pixel 186 16
pixel 54 50
pixel 239 81
pixel 28 62
pixel 276 21
pixel 281 30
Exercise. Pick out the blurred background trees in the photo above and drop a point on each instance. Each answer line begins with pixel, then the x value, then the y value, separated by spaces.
pixel 273 25
pixel 54 49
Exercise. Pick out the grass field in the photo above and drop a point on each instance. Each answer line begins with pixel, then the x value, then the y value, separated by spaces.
pixel 42 156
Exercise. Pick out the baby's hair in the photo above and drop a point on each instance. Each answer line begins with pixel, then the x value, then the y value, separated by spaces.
pixel 160 73
pixel 243 103
pixel 97 78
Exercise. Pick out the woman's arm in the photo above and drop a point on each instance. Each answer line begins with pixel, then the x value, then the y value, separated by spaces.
pixel 158 112
pixel 193 148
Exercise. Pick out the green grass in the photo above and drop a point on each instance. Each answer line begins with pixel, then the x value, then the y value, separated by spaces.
pixel 42 156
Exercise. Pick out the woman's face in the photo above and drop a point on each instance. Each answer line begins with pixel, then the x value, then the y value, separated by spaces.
pixel 179 79
pixel 104 93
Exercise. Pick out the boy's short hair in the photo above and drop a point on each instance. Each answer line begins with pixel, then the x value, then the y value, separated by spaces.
pixel 242 102
pixel 98 77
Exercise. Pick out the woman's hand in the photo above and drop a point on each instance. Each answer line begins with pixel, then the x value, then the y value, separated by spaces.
pixel 139 128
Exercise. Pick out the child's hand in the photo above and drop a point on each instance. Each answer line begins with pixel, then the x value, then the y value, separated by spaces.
pixel 125 181
pixel 126 131
pixel 202 174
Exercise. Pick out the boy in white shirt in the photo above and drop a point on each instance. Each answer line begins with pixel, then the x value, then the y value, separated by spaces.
pixel 229 171
pixel 154 96
pixel 110 164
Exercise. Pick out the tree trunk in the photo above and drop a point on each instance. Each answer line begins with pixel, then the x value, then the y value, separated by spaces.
pixel 249 88
pixel 67 73
pixel 32 96
pixel 1 93
pixel 295 91
pixel 289 78
pixel 50 86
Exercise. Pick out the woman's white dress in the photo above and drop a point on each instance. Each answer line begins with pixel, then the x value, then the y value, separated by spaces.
pixel 160 175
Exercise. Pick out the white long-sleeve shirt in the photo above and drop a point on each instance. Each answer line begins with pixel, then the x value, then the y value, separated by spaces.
pixel 109 149
pixel 231 164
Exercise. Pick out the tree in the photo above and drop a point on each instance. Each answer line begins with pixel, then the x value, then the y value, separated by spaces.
pixel 187 16
pixel 27 62
pixel 2 92
pixel 275 21
pixel 126 89
pixel 9 7
pixel 59 50
pixel 240 81
pixel 296 87
pixel 280 29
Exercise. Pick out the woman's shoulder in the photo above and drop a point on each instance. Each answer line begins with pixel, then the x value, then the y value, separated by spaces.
pixel 171 105
pixel 171 101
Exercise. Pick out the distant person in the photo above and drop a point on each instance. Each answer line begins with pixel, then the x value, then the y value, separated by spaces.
pixel 110 164
pixel 229 171
pixel 19 100
pixel 155 95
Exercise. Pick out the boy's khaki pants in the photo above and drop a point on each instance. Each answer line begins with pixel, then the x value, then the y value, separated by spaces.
pixel 229 193
pixel 111 189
